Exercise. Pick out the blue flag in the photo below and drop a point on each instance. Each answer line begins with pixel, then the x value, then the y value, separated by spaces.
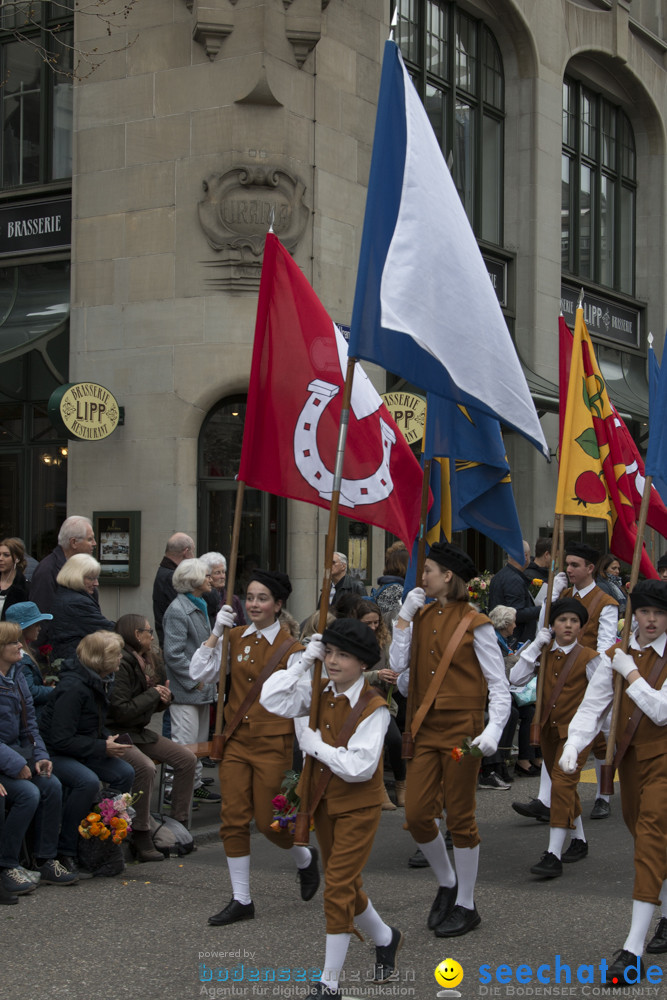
pixel 424 306
pixel 479 473
pixel 656 455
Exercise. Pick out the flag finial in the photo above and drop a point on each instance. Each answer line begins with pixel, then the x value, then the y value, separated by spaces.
pixel 394 22
pixel 272 218
pixel 650 340
pixel 580 299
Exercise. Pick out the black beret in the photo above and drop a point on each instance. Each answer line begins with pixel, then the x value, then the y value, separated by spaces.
pixel 662 562
pixel 278 583
pixel 568 606
pixel 649 594
pixel 452 557
pixel 354 637
pixel 582 551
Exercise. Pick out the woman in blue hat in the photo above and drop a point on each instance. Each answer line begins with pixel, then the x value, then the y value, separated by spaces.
pixel 27 616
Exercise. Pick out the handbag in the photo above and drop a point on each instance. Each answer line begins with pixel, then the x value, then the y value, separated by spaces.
pixel 526 695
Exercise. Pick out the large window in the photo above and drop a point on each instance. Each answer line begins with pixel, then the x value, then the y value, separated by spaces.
pixel 598 190
pixel 36 72
pixel 456 66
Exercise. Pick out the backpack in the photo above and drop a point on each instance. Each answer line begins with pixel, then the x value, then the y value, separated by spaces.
pixel 170 836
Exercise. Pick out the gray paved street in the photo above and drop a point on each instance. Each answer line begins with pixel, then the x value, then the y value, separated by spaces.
pixel 144 935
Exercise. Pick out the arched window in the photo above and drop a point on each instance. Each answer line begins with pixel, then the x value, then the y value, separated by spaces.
pixel 263 519
pixel 598 189
pixel 457 69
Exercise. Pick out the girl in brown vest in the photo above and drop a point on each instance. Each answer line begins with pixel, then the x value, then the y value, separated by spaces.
pixel 347 789
pixel 454 661
pixel 641 759
pixel 568 668
pixel 258 748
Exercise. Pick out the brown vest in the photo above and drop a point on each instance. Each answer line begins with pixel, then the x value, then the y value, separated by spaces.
pixel 572 694
pixel 248 658
pixel 649 739
pixel 464 687
pixel 588 636
pixel 344 796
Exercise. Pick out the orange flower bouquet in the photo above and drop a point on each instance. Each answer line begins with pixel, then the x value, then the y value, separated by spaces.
pixel 112 819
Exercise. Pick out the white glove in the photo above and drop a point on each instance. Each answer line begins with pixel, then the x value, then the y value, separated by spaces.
pixel 415 600
pixel 225 618
pixel 485 742
pixel 623 663
pixel 310 740
pixel 568 760
pixel 560 584
pixel 313 651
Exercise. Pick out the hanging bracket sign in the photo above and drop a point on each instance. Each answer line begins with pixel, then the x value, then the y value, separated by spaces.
pixel 84 411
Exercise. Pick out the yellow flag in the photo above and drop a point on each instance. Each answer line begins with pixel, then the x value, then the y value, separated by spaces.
pixel 582 487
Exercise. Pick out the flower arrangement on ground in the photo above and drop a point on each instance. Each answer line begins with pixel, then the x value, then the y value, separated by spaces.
pixel 112 819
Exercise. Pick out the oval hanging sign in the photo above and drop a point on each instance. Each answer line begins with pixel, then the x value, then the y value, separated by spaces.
pixel 84 411
pixel 409 412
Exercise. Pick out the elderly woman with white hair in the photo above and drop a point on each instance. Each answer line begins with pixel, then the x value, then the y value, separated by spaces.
pixel 76 612
pixel 186 627
pixel 217 596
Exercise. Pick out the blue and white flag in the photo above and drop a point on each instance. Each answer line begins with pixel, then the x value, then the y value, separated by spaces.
pixel 656 454
pixel 424 306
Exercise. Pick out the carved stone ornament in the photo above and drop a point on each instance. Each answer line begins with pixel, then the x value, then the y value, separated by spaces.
pixel 235 214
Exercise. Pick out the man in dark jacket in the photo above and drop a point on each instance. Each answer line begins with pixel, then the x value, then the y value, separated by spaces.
pixel 510 588
pixel 76 535
pixel 179 547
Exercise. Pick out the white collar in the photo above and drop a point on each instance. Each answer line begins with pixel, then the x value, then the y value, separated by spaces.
pixel 352 693
pixel 564 649
pixel 269 633
pixel 584 591
pixel 658 644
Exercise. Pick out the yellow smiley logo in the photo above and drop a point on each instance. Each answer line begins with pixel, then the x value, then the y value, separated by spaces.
pixel 448 973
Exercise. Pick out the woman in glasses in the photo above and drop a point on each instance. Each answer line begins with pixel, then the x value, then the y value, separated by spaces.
pixel 138 692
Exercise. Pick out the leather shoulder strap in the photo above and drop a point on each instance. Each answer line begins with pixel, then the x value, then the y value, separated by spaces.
pixel 635 718
pixel 439 675
pixel 254 692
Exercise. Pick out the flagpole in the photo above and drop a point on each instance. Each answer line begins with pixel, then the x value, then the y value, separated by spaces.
pixel 423 514
pixel 216 742
pixel 607 769
pixel 302 824
pixel 557 559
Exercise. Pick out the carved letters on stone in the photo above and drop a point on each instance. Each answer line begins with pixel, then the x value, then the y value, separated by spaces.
pixel 235 213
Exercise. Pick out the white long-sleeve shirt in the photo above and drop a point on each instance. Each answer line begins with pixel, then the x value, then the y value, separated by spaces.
pixel 491 664
pixel 607 622
pixel 289 693
pixel 600 693
pixel 525 666
pixel 205 664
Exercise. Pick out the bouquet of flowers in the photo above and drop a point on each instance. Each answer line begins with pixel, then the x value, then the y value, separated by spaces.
pixel 286 806
pixel 458 753
pixel 113 819
pixel 478 590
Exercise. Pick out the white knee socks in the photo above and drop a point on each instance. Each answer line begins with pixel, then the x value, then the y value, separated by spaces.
pixel 557 835
pixel 239 873
pixel 334 959
pixel 544 794
pixel 435 853
pixel 372 925
pixel 642 915
pixel 466 860
pixel 301 855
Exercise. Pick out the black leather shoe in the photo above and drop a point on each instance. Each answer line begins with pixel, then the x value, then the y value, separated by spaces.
pixel 577 850
pixel 527 772
pixel 616 973
pixel 601 809
pixel 417 860
pixel 459 921
pixel 232 912
pixel 309 877
pixel 443 905
pixel 549 866
pixel 535 809
pixel 385 958
pixel 658 943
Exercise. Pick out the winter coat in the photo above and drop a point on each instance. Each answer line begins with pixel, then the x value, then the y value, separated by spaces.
pixel 38 689
pixel 15 701
pixel 163 594
pixel 75 614
pixel 73 721
pixel 133 702
pixel 15 593
pixel 185 629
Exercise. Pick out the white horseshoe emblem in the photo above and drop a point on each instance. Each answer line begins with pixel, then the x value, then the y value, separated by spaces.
pixel 354 492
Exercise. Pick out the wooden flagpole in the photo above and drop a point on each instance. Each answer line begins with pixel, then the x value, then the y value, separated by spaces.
pixel 217 743
pixel 557 542
pixel 607 769
pixel 302 824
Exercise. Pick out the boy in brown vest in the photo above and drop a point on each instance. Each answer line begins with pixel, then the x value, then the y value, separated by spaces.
pixel 568 668
pixel 258 748
pixel 641 759
pixel 347 789
pixel 454 659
